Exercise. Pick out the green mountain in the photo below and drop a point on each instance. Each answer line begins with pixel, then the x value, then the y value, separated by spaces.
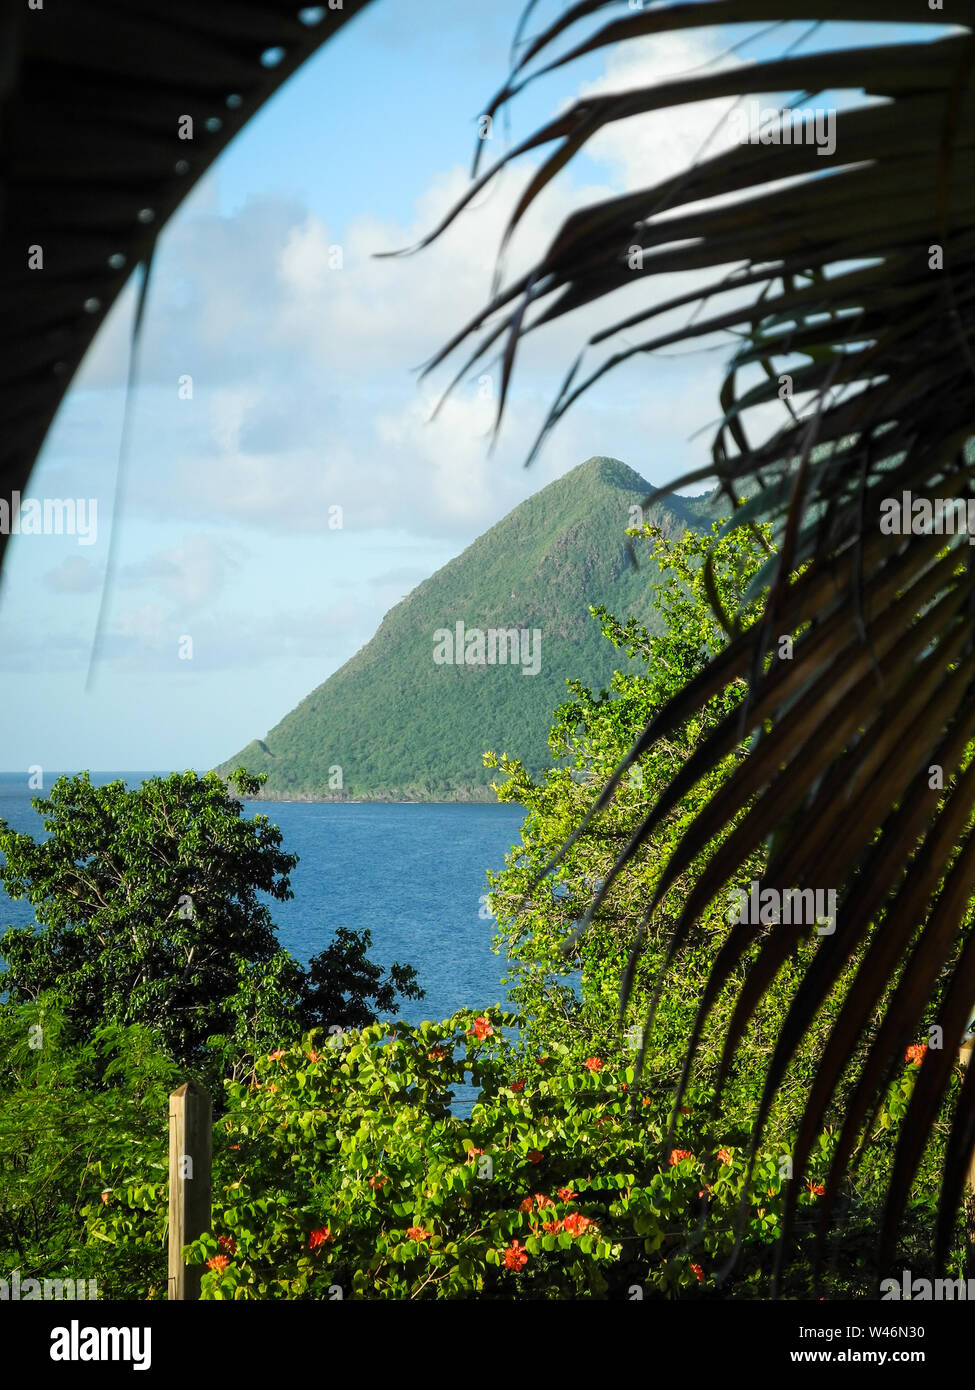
pixel 410 715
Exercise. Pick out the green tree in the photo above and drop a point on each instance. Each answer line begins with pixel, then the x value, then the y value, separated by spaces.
pixel 149 911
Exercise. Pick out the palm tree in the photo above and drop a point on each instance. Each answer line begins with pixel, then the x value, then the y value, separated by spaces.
pixel 859 772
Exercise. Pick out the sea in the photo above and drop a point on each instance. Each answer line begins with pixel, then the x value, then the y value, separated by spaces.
pixel 413 874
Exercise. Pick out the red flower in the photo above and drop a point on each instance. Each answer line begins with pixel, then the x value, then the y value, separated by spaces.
pixel 105 1195
pixel 699 1272
pixel 566 1194
pixel 623 1086
pixel 526 1205
pixel 575 1223
pixel 724 1156
pixel 319 1237
pixel 677 1154
pixel 313 1056
pixel 515 1257
pixel 518 1085
pixel 276 1056
pixel 535 1156
pixel 645 1100
pixel 472 1154
pixel 542 1060
pixel 377 1181
pixel 685 1110
pixel 437 1054
pixel 227 1243
pixel 552 1227
pixel 593 1064
pixel 915 1053
pixel 482 1029
pixel 219 1263
pixel 542 1201
pixel 418 1233
pixel 816 1188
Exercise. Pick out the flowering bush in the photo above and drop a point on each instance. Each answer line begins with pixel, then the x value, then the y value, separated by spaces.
pixel 340 1171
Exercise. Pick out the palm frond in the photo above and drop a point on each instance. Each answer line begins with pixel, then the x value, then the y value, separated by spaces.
pixel 836 267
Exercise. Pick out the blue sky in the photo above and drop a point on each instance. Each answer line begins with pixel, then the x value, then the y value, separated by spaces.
pixel 304 397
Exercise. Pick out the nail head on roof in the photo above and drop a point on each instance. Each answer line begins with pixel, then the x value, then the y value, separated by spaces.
pixel 92 305
pixel 235 100
pixel 213 123
pixel 116 260
pixel 271 57
pixel 312 14
pixel 146 215
pixel 182 166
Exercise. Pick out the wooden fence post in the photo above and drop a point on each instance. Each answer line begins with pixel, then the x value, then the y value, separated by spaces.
pixel 190 1153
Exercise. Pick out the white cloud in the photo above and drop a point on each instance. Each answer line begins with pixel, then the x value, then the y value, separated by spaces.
pixel 74 575
pixel 190 575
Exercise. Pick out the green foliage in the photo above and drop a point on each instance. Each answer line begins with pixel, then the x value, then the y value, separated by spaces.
pixel 148 911
pixel 402 727
pixel 76 1119
pixel 593 732
pixel 341 1172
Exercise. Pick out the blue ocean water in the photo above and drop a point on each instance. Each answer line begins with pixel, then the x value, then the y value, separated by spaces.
pixel 413 874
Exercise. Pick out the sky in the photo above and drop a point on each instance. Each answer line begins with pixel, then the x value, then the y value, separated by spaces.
pixel 283 485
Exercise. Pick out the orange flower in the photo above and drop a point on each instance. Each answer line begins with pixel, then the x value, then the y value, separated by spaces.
pixel 575 1223
pixel 566 1194
pixel 543 1059
pixel 437 1054
pixel 105 1195
pixel 593 1064
pixel 724 1155
pixel 276 1056
pixel 542 1201
pixel 623 1086
pixel 313 1056
pixel 482 1029
pixel 816 1188
pixel 418 1233
pixel 518 1085
pixel 219 1263
pixel 319 1237
pixel 645 1100
pixel 233 1146
pixel 552 1227
pixel 472 1154
pixel 526 1205
pixel 227 1243
pixel 535 1156
pixel 699 1273
pixel 377 1181
pixel 685 1110
pixel 515 1257
pixel 915 1053
pixel 677 1154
